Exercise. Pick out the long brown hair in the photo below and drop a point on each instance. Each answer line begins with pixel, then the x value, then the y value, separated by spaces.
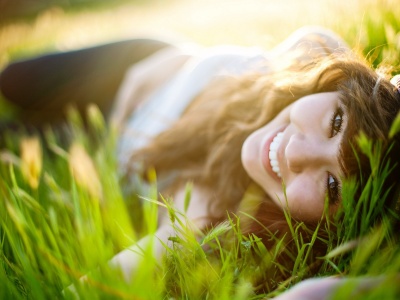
pixel 204 145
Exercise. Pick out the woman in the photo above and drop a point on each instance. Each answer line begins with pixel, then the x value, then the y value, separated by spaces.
pixel 230 120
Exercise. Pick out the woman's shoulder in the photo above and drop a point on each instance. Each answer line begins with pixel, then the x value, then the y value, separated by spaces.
pixel 313 41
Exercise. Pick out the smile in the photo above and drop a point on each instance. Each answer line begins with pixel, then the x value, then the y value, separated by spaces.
pixel 273 157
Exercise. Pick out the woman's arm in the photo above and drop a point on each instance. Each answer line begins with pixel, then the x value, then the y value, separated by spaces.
pixel 326 288
pixel 196 216
pixel 128 260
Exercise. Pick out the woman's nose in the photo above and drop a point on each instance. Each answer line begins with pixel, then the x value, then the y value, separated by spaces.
pixel 306 152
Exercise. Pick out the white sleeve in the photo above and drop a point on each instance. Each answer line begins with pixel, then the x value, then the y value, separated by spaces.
pixel 144 77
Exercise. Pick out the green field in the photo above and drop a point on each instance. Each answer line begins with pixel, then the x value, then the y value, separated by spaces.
pixel 62 209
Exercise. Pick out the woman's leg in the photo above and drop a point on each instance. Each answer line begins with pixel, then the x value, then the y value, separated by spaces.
pixel 43 86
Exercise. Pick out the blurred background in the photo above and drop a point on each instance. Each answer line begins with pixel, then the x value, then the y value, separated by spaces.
pixel 30 27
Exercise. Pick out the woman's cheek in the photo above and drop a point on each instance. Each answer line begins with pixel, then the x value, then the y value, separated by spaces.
pixel 305 200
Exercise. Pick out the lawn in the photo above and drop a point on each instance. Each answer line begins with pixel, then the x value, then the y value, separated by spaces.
pixel 63 213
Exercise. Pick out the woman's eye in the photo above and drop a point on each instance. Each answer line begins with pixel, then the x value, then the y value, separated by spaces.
pixel 333 189
pixel 336 122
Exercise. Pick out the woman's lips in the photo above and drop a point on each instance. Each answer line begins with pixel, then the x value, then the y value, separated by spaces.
pixel 270 152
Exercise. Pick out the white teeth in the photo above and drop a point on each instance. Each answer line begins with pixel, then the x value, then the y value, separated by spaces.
pixel 273 148
pixel 274 163
pixel 272 155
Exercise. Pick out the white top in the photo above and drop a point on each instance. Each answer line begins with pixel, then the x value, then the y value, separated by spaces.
pixel 167 103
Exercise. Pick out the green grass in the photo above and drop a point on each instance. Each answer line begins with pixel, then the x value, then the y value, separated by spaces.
pixel 58 224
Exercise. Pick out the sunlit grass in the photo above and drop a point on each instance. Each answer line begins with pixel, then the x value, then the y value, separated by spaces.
pixel 63 213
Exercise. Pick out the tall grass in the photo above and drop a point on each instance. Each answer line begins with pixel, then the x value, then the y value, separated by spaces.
pixel 63 214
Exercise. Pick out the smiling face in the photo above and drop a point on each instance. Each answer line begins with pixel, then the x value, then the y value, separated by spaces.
pixel 300 149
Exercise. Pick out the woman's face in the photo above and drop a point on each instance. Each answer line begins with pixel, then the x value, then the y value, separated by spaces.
pixel 299 149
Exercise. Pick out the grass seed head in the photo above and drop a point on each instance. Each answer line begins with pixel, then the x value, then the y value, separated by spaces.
pixel 31 160
pixel 83 170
